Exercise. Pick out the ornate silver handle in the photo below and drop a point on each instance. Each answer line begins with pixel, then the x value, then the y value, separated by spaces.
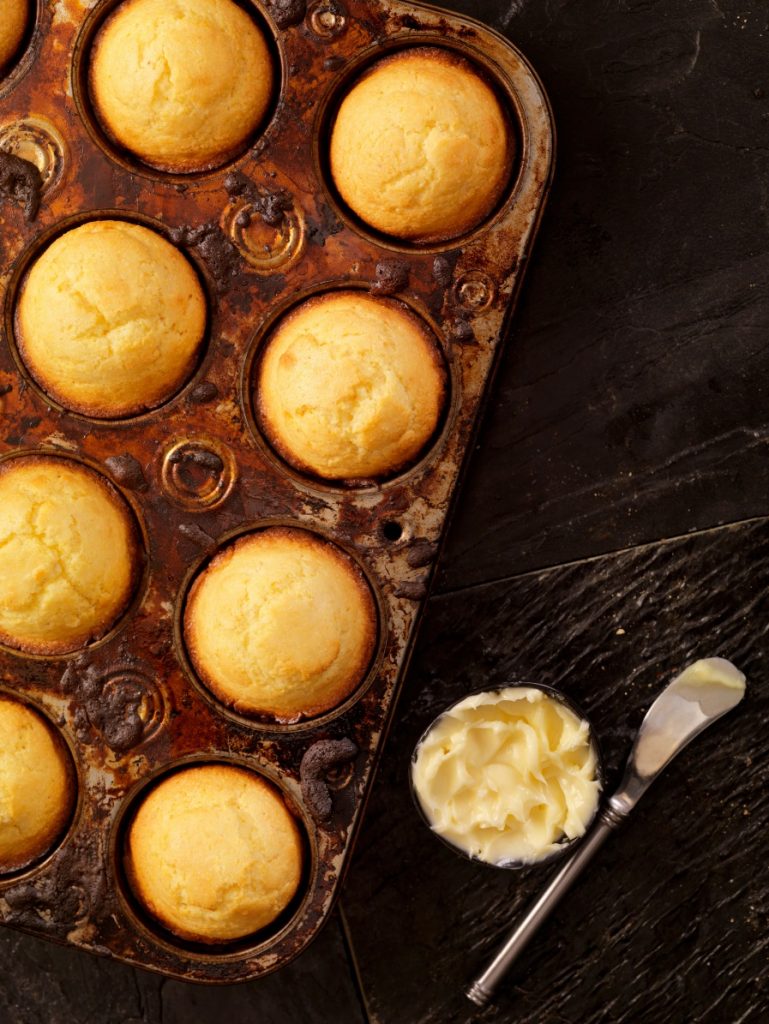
pixel 484 986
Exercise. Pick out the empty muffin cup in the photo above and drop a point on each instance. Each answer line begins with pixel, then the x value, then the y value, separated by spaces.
pixel 510 777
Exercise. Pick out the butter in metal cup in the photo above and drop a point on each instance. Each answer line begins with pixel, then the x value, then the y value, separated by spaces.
pixel 508 776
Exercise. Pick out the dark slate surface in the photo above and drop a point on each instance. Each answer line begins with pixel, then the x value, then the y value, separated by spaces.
pixel 632 404
pixel 45 984
pixel 630 407
pixel 670 924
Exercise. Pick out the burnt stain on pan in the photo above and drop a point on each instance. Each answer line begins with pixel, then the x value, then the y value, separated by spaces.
pixel 269 204
pixel 288 12
pixel 318 761
pixel 392 276
pixel 126 471
pixel 216 250
pixel 20 183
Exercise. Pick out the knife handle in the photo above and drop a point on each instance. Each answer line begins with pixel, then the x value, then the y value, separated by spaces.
pixel 485 985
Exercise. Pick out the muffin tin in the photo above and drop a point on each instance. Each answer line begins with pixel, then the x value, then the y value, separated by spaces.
pixel 264 232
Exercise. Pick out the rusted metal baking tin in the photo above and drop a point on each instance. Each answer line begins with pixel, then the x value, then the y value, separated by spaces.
pixel 128 706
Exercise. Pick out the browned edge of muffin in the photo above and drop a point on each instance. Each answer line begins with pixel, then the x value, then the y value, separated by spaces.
pixel 450 58
pixel 58 827
pixel 135 555
pixel 134 881
pixel 297 535
pixel 271 434
pixel 170 167
pixel 93 410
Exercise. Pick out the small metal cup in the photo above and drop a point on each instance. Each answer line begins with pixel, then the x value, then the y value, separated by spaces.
pixel 564 844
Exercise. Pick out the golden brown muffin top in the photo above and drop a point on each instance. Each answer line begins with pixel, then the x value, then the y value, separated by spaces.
pixel 110 319
pixel 37 785
pixel 181 83
pixel 421 148
pixel 350 386
pixel 281 623
pixel 70 557
pixel 214 853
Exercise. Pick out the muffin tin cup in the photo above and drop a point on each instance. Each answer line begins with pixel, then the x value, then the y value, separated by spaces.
pixel 197 472
pixel 27 871
pixel 564 845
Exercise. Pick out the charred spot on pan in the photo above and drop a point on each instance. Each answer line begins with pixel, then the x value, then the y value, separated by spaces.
pixel 288 12
pixel 220 255
pixel 21 183
pixel 204 392
pixel 333 63
pixel 462 333
pixel 443 270
pixel 270 205
pixel 412 591
pixel 421 553
pixel 392 276
pixel 204 458
pixel 318 761
pixel 197 535
pixel 127 471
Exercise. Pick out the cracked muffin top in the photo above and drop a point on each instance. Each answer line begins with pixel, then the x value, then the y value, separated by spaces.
pixel 214 853
pixel 350 386
pixel 110 319
pixel 69 554
pixel 14 16
pixel 181 83
pixel 37 788
pixel 421 147
pixel 281 623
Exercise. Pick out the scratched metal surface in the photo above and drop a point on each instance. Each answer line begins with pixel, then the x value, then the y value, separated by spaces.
pixel 251 272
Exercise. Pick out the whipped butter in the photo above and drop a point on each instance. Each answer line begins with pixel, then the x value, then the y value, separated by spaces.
pixel 507 775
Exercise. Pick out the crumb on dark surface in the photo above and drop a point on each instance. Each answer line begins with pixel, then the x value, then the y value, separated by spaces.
pixel 421 553
pixel 319 759
pixel 20 182
pixel 442 271
pixel 333 63
pixel 199 456
pixel 463 333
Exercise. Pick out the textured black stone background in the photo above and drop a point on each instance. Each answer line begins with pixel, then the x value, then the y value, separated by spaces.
pixel 631 408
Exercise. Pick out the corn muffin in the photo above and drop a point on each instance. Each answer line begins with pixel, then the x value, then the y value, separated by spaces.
pixel 37 788
pixel 182 84
pixel 110 319
pixel 281 624
pixel 350 386
pixel 69 554
pixel 14 16
pixel 214 853
pixel 421 147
